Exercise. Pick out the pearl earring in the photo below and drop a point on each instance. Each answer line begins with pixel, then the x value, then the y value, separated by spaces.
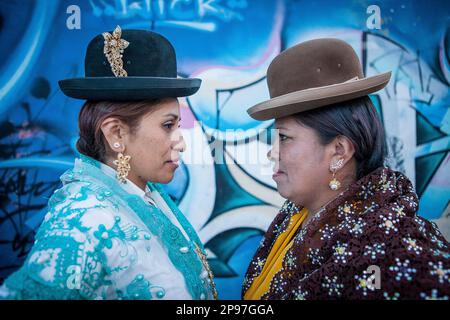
pixel 334 183
pixel 116 145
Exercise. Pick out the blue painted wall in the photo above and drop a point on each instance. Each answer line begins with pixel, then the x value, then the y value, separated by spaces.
pixel 229 44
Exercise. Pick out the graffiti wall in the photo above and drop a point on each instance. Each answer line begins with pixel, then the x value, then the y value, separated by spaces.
pixel 229 45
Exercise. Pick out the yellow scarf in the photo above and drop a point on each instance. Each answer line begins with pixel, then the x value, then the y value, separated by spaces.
pixel 261 283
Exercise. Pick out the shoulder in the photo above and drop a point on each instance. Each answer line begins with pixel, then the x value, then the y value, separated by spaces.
pixel 82 195
pixel 69 245
pixel 82 206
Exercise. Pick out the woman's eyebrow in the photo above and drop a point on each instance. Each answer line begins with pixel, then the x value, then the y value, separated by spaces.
pixel 172 115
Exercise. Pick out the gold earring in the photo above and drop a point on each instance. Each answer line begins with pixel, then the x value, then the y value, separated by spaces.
pixel 123 167
pixel 334 183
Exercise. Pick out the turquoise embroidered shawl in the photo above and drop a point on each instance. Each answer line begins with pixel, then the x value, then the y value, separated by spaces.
pixel 72 255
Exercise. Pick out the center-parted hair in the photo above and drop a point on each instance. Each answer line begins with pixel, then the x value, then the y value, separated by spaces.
pixel 357 120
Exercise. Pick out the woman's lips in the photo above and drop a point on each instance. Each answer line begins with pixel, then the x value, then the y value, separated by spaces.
pixel 277 174
pixel 173 164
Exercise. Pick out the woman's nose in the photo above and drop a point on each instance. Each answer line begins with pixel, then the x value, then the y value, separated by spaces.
pixel 274 152
pixel 273 155
pixel 180 144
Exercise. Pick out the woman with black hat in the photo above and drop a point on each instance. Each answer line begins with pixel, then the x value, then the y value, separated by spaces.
pixel 110 231
pixel 349 229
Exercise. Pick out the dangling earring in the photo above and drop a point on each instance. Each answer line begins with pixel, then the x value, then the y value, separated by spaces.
pixel 334 183
pixel 123 166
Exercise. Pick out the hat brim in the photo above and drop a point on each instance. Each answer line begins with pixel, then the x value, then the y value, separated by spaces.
pixel 128 88
pixel 308 99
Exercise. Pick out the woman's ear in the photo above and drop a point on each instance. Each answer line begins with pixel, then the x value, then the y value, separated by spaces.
pixel 114 131
pixel 343 148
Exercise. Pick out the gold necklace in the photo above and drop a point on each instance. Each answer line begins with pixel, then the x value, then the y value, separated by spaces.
pixel 322 208
pixel 205 263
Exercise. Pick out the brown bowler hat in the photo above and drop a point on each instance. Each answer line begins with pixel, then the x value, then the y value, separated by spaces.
pixel 314 74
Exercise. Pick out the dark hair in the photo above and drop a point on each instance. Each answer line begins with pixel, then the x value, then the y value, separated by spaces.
pixel 357 120
pixel 92 143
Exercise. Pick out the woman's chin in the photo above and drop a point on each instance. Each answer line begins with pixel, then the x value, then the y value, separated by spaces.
pixel 286 192
pixel 283 190
pixel 167 178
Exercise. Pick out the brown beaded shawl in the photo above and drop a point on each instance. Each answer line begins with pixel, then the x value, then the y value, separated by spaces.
pixel 372 223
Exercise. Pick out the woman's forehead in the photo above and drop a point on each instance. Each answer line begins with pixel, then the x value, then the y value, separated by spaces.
pixel 167 108
pixel 286 123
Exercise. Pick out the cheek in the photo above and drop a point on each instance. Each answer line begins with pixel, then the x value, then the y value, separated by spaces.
pixel 303 162
pixel 305 175
pixel 294 158
pixel 145 151
pixel 156 153
pixel 149 150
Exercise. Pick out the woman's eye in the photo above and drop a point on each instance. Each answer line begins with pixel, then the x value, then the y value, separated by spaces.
pixel 168 125
pixel 282 137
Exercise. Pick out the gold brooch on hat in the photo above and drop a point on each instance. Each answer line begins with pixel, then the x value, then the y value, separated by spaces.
pixel 113 50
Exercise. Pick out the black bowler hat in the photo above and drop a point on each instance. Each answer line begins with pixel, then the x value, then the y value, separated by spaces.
pixel 129 65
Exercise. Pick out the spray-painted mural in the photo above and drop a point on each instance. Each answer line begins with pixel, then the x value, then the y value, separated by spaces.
pixel 228 44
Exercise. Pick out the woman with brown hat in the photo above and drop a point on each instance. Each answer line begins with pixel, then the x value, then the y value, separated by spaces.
pixel 349 228
pixel 111 232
